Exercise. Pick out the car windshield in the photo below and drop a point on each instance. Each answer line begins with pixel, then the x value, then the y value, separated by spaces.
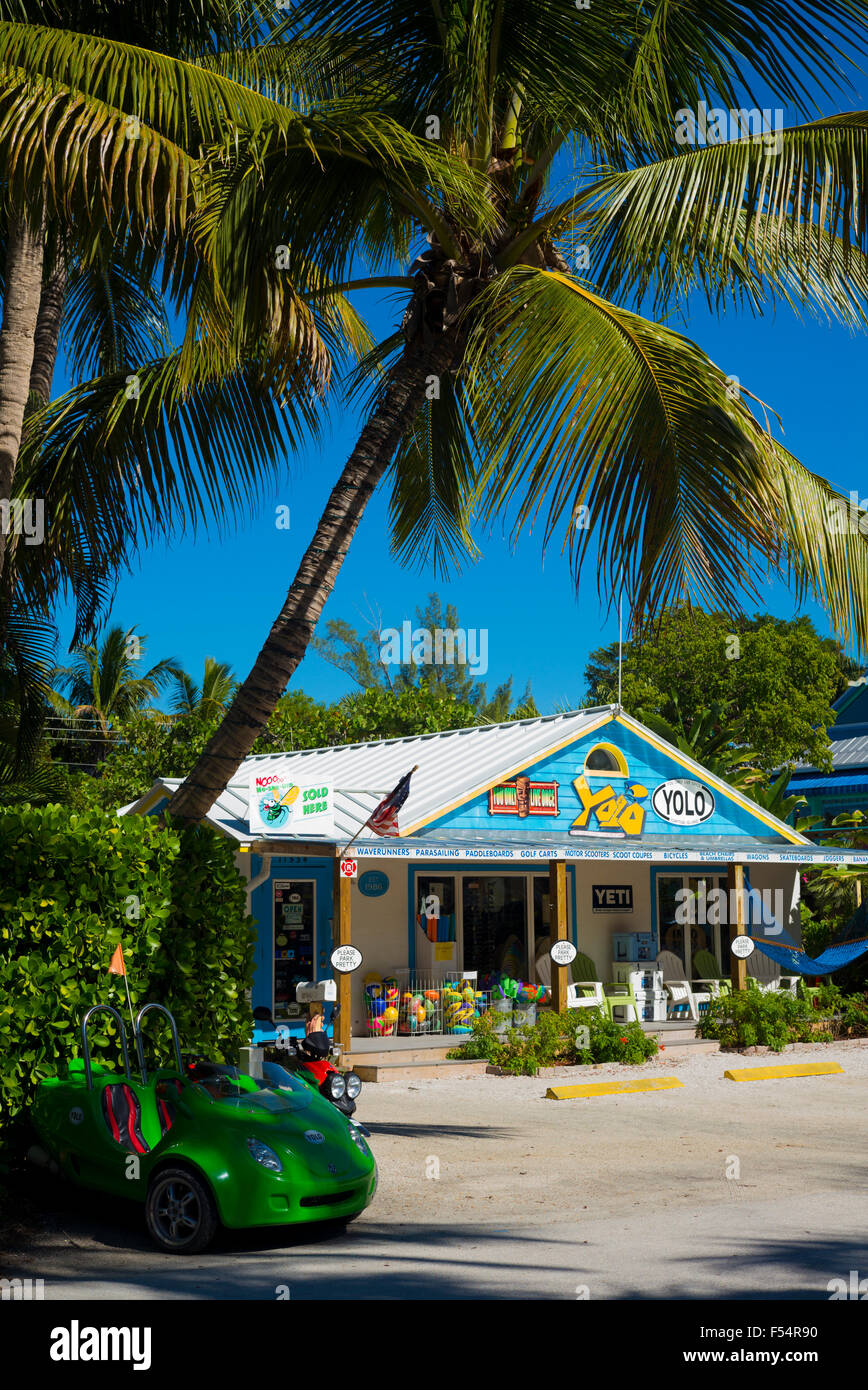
pixel 275 1102
pixel 221 1084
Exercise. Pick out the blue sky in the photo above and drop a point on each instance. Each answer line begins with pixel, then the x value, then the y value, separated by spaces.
pixel 217 596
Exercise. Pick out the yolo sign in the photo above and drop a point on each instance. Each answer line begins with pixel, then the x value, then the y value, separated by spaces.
pixel 682 801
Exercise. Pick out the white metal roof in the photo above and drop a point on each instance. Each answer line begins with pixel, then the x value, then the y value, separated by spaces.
pixel 454 766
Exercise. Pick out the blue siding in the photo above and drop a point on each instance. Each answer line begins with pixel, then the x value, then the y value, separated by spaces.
pixel 646 765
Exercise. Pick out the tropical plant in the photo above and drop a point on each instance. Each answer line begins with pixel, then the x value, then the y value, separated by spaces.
pixel 515 384
pixel 174 899
pixel 710 739
pixel 208 699
pixel 104 686
pixel 450 672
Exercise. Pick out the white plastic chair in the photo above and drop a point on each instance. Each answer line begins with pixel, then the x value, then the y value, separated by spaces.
pixel 684 1001
pixel 578 998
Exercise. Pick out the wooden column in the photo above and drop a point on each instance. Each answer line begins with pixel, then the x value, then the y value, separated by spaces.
pixel 558 896
pixel 735 887
pixel 341 937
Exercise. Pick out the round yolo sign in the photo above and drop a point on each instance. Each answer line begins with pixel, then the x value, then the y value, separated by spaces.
pixel 346 959
pixel 563 953
pixel 682 801
pixel 742 947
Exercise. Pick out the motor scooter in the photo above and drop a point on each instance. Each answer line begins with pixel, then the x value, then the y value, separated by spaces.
pixel 308 1057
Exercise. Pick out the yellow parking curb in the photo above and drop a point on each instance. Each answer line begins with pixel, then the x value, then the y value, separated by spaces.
pixel 611 1088
pixel 770 1073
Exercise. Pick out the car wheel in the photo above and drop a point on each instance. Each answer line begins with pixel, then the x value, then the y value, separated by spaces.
pixel 180 1212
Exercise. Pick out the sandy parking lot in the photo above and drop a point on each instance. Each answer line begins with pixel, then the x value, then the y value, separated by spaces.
pixel 489 1190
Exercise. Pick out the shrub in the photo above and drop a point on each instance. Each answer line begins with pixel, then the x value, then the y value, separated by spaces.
pixel 754 1018
pixel 574 1037
pixel 73 886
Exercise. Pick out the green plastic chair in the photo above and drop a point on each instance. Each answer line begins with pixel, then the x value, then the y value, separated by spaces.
pixel 706 970
pixel 584 969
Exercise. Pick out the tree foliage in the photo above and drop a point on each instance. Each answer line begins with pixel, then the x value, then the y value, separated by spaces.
pixel 776 678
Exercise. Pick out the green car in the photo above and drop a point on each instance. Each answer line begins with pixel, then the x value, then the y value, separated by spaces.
pixel 227 1150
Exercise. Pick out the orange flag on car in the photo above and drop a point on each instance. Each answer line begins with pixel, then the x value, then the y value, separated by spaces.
pixel 116 964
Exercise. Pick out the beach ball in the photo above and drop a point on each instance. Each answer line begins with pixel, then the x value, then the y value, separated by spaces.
pixel 390 1015
pixel 376 1006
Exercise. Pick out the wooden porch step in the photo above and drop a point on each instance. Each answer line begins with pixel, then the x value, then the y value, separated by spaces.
pixel 427 1070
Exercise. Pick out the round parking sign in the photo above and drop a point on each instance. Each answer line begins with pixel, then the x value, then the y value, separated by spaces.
pixel 346 959
pixel 742 947
pixel 563 953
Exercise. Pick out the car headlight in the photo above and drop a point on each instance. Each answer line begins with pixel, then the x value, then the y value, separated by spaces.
pixel 353 1084
pixel 335 1086
pixel 359 1141
pixel 264 1155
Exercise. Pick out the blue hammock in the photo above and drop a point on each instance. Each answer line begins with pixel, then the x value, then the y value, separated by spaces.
pixel 833 958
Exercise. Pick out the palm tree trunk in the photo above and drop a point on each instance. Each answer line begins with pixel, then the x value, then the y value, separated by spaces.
pixel 294 626
pixel 315 580
pixel 49 322
pixel 24 253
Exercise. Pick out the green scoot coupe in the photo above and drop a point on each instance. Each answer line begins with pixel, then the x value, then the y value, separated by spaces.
pixel 228 1149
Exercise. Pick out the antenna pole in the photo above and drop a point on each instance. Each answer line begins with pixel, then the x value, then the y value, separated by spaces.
pixel 620 641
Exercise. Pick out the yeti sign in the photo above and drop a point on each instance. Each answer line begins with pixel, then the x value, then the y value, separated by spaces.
pixel 682 801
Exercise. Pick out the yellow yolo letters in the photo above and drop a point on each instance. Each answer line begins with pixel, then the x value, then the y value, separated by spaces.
pixel 613 810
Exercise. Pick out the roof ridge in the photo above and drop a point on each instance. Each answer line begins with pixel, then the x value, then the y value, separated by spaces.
pixel 431 734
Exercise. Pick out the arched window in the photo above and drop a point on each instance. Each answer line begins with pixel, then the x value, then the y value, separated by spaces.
pixel 605 760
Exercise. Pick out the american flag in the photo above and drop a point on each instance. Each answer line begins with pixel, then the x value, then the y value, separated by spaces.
pixel 384 818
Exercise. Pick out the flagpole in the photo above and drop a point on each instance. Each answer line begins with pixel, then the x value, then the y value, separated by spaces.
pixel 130 1005
pixel 119 950
pixel 413 769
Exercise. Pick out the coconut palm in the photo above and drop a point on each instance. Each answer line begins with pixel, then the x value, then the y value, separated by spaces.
pixel 208 699
pixel 521 386
pixel 514 383
pixel 105 685
pixel 202 426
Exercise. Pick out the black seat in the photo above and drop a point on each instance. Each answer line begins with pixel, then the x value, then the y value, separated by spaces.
pixel 165 1108
pixel 123 1116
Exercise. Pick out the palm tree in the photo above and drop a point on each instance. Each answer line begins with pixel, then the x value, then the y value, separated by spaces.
pixel 211 698
pixel 513 382
pixel 104 688
pixel 204 427
pixel 551 393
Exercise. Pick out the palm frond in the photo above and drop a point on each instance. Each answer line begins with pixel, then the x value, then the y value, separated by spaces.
pixel 627 420
pixel 432 474
pixel 790 219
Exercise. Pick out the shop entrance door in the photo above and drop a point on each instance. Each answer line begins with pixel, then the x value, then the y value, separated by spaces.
pixel 690 919
pixel 494 912
pixel 294 934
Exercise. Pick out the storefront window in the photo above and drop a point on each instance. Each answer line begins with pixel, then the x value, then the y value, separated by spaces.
pixel 435 907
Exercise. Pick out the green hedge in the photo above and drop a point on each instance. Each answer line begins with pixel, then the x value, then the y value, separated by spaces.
pixel 71 887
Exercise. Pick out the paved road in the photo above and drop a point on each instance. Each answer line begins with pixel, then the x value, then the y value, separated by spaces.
pixel 488 1190
pixel 738 1249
